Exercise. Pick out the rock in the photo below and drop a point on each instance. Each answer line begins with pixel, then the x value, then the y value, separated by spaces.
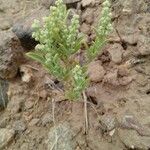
pixel 86 3
pixel 85 28
pixel 134 6
pixel 97 142
pixel 34 122
pixel 10 7
pixel 116 52
pixel 116 78
pixel 24 146
pixel 111 78
pixel 108 122
pixel 4 121
pixel 24 31
pixel 6 136
pixel 10 55
pixel 14 105
pixel 16 116
pixel 146 121
pixel 125 80
pixel 141 80
pixel 130 24
pixel 26 73
pixel 19 126
pixel 28 104
pixel 64 138
pixel 5 24
pixel 47 119
pixel 96 71
pixel 71 1
pixel 3 93
pixel 144 45
pixel 48 3
pixel 130 122
pixel 88 16
pixel 132 140
pixel 123 70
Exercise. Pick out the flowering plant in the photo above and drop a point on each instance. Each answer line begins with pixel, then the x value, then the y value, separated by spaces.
pixel 59 40
pixel 104 27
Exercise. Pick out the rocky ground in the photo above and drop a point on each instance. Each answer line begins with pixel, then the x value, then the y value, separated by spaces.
pixel 118 96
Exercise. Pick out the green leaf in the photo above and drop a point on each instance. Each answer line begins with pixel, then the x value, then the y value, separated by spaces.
pixel 36 56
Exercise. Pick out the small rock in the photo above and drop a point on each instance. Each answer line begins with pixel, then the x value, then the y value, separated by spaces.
pixel 14 106
pixel 132 140
pixel 123 70
pixel 24 146
pixel 10 55
pixel 111 78
pixel 5 24
pixel 71 1
pixel 86 3
pixel 130 122
pixel 116 52
pixel 16 116
pixel 85 28
pixel 47 119
pixel 28 104
pixel 96 71
pixel 4 121
pixel 34 122
pixel 108 123
pixel 24 31
pixel 146 121
pixel 144 45
pixel 97 142
pixel 6 136
pixel 63 135
pixel 27 116
pixel 125 80
pixel 26 73
pixel 43 94
pixel 48 3
pixel 141 80
pixel 88 16
pixel 19 126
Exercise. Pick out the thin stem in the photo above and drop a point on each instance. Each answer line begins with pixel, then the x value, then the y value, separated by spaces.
pixel 54 122
pixel 85 112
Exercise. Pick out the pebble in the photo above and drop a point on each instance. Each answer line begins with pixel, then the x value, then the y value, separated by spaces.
pixel 108 122
pixel 116 52
pixel 96 71
pixel 85 28
pixel 34 122
pixel 19 126
pixel 6 136
pixel 47 119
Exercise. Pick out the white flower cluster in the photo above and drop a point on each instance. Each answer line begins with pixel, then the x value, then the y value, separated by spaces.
pixel 56 35
pixel 73 30
pixel 105 25
pixel 103 29
pixel 80 82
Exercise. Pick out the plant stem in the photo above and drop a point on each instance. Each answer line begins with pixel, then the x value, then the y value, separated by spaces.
pixel 54 122
pixel 85 112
